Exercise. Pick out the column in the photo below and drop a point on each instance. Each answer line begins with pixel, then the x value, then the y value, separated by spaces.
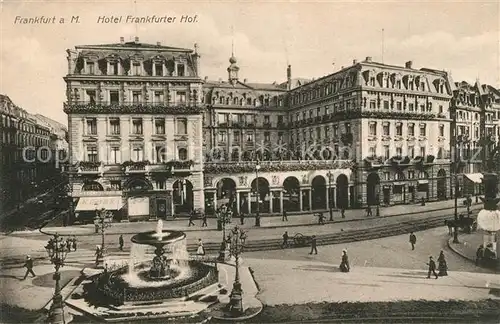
pixel 154 68
pixel 237 201
pixel 271 198
pixel 215 201
pixel 310 199
pixel 281 201
pixel 334 197
pixel 328 189
pixel 249 202
pixel 300 200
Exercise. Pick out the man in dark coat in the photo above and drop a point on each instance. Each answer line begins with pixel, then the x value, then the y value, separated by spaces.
pixel 413 240
pixel 242 218
pixel 369 211
pixel 191 219
pixel 285 240
pixel 29 267
pixel 204 220
pixel 479 254
pixel 342 212
pixel 313 245
pixel 432 268
pixel 121 242
pixel 284 218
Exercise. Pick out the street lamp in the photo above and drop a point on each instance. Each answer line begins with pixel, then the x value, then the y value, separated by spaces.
pixel 330 196
pixel 102 221
pixel 257 194
pixel 236 301
pixel 223 219
pixel 57 252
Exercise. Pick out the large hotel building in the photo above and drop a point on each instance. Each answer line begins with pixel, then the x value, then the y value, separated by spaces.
pixel 149 138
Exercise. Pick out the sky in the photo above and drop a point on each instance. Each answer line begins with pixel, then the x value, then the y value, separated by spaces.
pixel 315 37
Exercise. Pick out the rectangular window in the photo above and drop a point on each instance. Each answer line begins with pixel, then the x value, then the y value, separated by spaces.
pixel 422 108
pixel 159 69
pixel 372 151
pixel 222 136
pixel 136 97
pixel 114 125
pixel 280 137
pixel 373 104
pixel 158 97
pixel 411 130
pixel 160 184
pixel 399 105
pixel 136 68
pixel 267 137
pixel 347 128
pixel 137 154
pixel 236 136
pixel 373 129
pixel 411 174
pixel 115 157
pixel 160 153
pixel 267 119
pixel 91 67
pixel 180 97
pixel 440 109
pixel 91 126
pixel 113 68
pixel 92 154
pixel 386 104
pixel 181 126
pixel 137 126
pixel 422 130
pixel 249 137
pixel 386 129
pixel 91 96
pixel 114 98
pixel 181 70
pixel 160 126
pixel 441 130
pixel 399 129
pixel 335 130
pixel 387 152
pixel 399 151
pixel 411 106
pixel 422 151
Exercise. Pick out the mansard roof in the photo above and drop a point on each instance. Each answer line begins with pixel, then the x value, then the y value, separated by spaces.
pixel 135 45
pixel 244 86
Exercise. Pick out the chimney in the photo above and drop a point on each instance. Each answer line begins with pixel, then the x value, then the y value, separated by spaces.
pixel 136 39
pixel 368 59
pixel 354 62
pixel 245 80
pixel 122 40
pixel 408 64
pixel 158 43
pixel 289 77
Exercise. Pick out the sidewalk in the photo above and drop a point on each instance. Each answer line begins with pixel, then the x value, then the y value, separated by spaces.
pixel 294 220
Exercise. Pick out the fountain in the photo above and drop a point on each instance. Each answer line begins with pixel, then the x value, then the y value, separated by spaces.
pixel 169 277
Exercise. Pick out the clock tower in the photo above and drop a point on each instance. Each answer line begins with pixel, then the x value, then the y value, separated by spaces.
pixel 232 70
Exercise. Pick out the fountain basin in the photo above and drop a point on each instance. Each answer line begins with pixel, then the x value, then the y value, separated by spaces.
pixel 156 238
pixel 116 287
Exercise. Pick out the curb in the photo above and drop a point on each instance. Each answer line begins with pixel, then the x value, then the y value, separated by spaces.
pixel 91 230
pixel 452 247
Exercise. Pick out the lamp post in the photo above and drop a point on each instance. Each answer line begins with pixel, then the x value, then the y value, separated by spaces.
pixel 330 196
pixel 57 252
pixel 102 221
pixel 236 300
pixel 223 218
pixel 257 194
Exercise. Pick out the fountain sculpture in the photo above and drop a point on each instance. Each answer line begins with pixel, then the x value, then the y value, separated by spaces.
pixel 169 275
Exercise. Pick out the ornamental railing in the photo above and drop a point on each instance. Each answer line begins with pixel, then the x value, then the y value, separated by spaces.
pixel 132 107
pixel 276 166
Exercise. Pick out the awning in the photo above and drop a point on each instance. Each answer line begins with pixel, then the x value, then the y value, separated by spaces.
pixel 93 203
pixel 422 181
pixel 474 177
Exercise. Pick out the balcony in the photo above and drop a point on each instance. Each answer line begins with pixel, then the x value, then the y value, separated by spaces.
pixel 90 168
pixel 135 167
pixel 79 107
pixel 275 166
pixel 158 168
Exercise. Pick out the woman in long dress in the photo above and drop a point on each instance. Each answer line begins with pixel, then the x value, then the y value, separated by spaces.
pixel 442 266
pixel 201 249
pixel 344 264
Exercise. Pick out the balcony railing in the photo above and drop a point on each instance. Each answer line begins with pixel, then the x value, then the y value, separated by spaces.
pixel 173 108
pixel 90 168
pixel 276 166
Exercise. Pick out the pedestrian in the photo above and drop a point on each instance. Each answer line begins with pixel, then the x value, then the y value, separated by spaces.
pixel 432 268
pixel 368 211
pixel 442 266
pixel 344 263
pixel 73 241
pixel 97 254
pixel 285 240
pixel 479 255
pixel 191 219
pixel 285 217
pixel 342 212
pixel 68 244
pixel 243 237
pixel 204 220
pixel 313 245
pixel 321 219
pixel 242 218
pixel 413 240
pixel 121 242
pixel 29 267
pixel 201 249
pixel 96 226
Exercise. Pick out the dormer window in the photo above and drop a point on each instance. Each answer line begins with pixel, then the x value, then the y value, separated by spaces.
pixel 113 68
pixel 422 86
pixel 91 67
pixel 136 68
pixel 372 81
pixel 398 84
pixel 158 69
pixel 181 70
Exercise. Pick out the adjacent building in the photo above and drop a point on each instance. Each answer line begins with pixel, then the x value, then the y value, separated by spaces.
pixel 26 164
